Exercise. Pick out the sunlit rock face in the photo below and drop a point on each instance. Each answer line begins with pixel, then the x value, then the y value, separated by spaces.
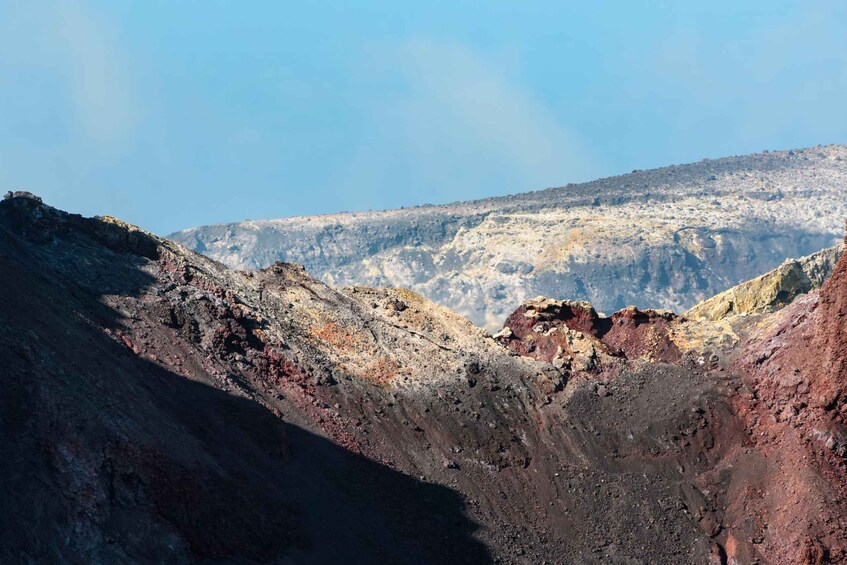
pixel 664 238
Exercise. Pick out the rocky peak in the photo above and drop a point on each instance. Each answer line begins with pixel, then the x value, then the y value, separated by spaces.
pixel 573 334
pixel 21 194
pixel 27 215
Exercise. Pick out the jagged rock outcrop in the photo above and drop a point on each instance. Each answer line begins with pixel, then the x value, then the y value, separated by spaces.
pixel 663 238
pixel 564 332
pixel 777 351
pixel 773 289
pixel 158 406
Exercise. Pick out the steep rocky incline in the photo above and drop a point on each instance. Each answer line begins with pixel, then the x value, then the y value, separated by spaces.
pixel 772 290
pixel 664 238
pixel 776 350
pixel 794 368
pixel 158 406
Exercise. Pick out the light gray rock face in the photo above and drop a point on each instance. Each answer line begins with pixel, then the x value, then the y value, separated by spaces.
pixel 666 238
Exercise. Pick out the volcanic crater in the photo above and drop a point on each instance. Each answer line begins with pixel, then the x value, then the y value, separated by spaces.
pixel 159 406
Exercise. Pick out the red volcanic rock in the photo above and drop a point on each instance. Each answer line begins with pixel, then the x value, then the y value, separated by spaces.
pixel 579 316
pixel 826 358
pixel 642 333
pixel 531 329
pixel 782 483
pixel 799 365
pixel 535 330
pixel 796 367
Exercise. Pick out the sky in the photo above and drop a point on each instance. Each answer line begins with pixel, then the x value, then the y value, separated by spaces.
pixel 176 114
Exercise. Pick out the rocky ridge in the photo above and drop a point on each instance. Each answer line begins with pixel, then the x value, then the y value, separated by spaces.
pixel 772 290
pixel 663 238
pixel 159 406
pixel 774 348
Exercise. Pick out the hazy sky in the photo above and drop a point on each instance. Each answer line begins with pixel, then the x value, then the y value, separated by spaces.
pixel 174 114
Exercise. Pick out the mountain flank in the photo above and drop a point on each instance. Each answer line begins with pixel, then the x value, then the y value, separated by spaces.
pixel 159 406
pixel 663 238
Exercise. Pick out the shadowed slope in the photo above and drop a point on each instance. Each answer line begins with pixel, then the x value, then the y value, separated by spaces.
pixel 112 457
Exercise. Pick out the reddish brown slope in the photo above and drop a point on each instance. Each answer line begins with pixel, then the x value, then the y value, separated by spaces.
pixel 796 366
pixel 163 407
pixel 159 406
pixel 782 482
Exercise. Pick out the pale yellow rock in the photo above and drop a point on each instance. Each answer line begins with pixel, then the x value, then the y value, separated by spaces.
pixel 772 290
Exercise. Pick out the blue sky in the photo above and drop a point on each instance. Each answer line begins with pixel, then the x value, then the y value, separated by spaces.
pixel 176 114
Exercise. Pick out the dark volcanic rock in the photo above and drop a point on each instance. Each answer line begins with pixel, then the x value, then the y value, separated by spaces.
pixel 130 431
pixel 158 406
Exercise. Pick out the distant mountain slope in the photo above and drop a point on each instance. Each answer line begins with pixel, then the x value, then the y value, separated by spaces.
pixel 666 237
